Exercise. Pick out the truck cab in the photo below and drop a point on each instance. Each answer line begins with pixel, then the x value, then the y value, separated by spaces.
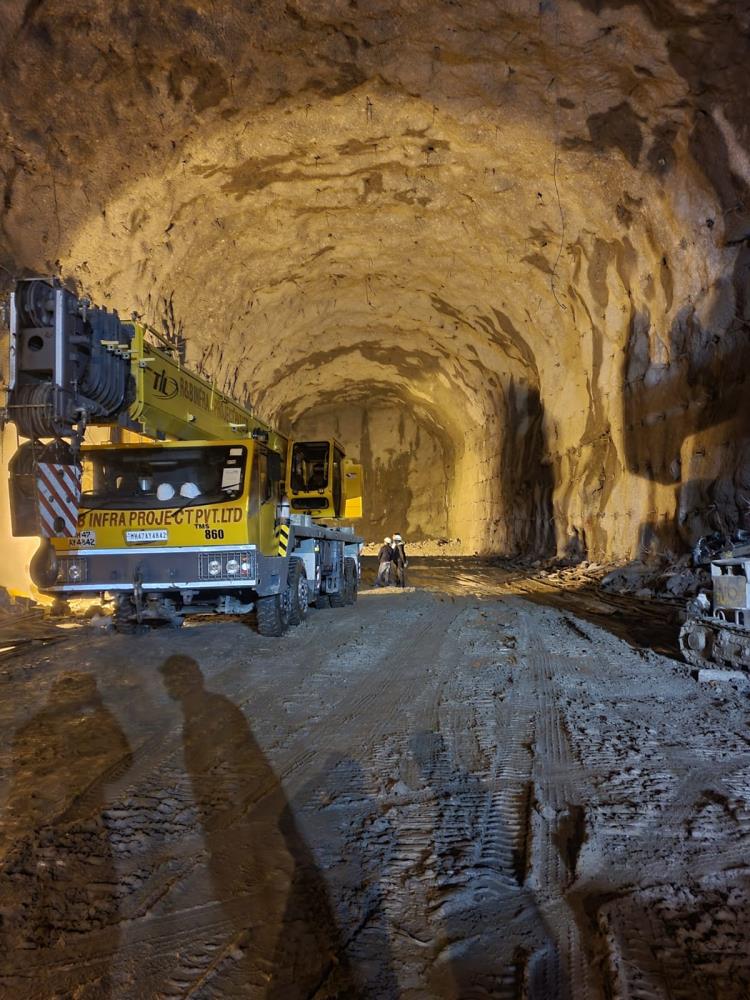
pixel 322 482
pixel 173 528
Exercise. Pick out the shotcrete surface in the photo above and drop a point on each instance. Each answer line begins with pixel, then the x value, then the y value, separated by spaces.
pixel 450 792
pixel 499 245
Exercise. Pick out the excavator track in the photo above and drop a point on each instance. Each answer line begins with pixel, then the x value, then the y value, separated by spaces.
pixel 706 642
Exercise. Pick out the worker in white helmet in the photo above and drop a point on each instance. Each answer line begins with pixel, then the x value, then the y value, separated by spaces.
pixel 385 556
pixel 399 562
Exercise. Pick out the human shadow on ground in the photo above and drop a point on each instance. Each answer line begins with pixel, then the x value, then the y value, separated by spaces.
pixel 58 878
pixel 284 941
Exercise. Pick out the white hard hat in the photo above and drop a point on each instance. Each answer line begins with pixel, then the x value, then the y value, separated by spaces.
pixel 190 491
pixel 388 541
pixel 397 538
pixel 165 491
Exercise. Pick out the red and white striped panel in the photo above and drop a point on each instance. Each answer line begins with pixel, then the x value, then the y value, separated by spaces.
pixel 59 488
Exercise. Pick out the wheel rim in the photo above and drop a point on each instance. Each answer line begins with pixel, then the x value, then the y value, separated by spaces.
pixel 302 596
pixel 697 640
pixel 285 605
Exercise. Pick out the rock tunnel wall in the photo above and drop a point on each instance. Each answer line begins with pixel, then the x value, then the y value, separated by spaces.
pixel 524 224
pixel 409 461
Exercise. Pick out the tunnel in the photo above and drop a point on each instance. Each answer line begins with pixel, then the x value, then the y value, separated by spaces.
pixel 499 249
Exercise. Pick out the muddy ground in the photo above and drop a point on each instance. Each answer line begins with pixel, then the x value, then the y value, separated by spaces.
pixel 461 791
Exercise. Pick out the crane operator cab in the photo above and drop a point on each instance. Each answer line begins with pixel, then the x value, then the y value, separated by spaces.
pixel 322 482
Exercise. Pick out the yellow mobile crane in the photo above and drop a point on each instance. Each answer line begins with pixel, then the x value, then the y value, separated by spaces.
pixel 224 517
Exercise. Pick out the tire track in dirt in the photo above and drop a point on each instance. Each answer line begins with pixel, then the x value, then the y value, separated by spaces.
pixel 301 753
pixel 153 810
pixel 645 772
pixel 500 805
pixel 406 698
pixel 463 839
pixel 588 948
pixel 319 738
pixel 557 825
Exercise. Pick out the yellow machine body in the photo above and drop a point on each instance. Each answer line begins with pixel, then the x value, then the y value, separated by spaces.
pixel 172 401
pixel 191 517
pixel 244 514
pixel 322 482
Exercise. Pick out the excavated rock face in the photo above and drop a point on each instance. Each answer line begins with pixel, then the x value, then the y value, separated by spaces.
pixel 498 247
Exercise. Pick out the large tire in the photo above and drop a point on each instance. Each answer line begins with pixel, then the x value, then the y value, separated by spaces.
pixel 351 581
pixel 299 592
pixel 339 600
pixel 273 614
pixel 124 620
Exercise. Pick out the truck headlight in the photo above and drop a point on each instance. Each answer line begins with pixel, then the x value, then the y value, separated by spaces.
pixel 226 565
pixel 74 572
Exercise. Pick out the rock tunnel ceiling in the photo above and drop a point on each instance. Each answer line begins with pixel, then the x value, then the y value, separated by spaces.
pixel 499 247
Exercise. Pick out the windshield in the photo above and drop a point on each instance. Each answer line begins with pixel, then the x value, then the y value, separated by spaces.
pixel 309 466
pixel 162 477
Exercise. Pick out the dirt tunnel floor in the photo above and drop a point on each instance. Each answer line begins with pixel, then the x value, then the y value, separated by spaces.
pixel 428 795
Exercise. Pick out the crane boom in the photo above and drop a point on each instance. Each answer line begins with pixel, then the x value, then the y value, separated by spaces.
pixel 171 400
pixel 75 365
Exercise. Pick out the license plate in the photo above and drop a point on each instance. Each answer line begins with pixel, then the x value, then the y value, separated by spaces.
pixel 157 535
pixel 84 539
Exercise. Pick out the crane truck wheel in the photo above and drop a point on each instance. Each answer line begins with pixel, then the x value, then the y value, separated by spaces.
pixel 299 592
pixel 351 581
pixel 273 614
pixel 339 600
pixel 123 619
